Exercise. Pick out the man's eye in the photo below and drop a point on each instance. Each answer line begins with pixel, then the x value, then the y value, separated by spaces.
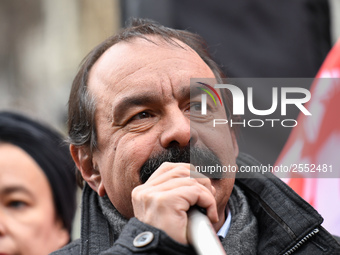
pixel 195 107
pixel 141 115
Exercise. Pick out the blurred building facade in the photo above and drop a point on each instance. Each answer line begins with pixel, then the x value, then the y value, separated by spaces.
pixel 42 43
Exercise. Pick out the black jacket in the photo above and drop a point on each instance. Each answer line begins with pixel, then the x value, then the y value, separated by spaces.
pixel 287 224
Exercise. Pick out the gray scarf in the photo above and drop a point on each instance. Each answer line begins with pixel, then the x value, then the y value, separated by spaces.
pixel 241 238
pixel 115 219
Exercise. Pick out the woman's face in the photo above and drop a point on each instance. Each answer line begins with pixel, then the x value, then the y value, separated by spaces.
pixel 28 221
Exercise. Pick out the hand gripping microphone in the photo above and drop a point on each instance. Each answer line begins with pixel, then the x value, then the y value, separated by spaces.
pixel 201 234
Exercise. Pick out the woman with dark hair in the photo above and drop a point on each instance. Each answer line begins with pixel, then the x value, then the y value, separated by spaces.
pixel 37 187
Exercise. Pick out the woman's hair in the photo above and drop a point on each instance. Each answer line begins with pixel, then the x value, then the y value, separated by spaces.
pixel 48 149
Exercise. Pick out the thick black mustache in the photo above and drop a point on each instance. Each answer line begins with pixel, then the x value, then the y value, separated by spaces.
pixel 193 155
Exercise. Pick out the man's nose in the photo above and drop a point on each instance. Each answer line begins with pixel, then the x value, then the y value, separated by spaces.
pixel 177 130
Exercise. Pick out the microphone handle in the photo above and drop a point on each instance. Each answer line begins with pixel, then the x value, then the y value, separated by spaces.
pixel 201 234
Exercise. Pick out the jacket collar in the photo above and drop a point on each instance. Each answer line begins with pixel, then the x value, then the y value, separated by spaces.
pixel 283 217
pixel 96 234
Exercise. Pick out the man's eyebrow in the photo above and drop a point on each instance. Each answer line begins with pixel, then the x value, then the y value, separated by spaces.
pixel 195 91
pixel 190 92
pixel 15 189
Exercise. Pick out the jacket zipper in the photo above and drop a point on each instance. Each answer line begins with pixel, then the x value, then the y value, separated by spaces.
pixel 301 242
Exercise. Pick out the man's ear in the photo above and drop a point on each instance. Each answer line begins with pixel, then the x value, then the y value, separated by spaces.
pixel 83 159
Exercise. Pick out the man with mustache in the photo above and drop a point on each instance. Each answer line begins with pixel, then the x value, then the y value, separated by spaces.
pixel 134 130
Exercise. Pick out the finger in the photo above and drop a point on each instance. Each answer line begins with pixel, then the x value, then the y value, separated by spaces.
pixel 202 179
pixel 166 167
pixel 213 190
pixel 201 197
pixel 174 183
pixel 178 170
pixel 182 197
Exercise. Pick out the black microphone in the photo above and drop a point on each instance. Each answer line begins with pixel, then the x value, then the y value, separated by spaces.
pixel 201 234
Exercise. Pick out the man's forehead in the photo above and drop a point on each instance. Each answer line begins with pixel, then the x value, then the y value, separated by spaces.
pixel 138 48
pixel 128 57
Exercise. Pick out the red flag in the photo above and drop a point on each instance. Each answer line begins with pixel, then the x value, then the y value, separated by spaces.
pixel 316 141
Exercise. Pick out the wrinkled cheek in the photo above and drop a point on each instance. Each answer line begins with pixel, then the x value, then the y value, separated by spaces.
pixel 124 176
pixel 133 152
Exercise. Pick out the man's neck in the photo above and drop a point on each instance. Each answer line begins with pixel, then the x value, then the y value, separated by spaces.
pixel 222 219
